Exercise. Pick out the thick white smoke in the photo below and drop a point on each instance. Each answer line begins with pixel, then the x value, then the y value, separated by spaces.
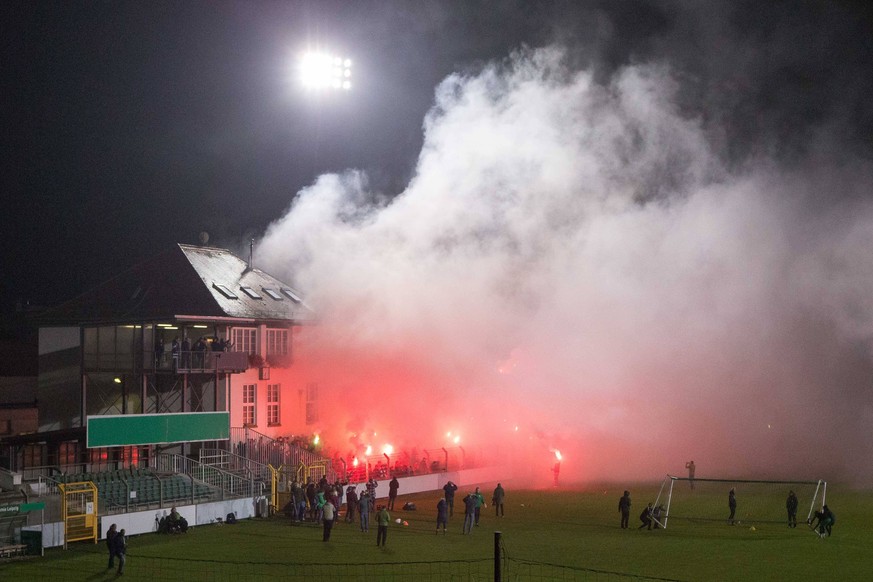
pixel 573 257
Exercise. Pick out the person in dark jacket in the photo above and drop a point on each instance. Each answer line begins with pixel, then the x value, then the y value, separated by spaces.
pixel 442 515
pixel 646 517
pixel 470 503
pixel 791 506
pixel 449 489
pixel 732 505
pixel 393 486
pixel 351 503
pixel 826 521
pixel 119 548
pixel 110 535
pixel 624 505
pixel 497 499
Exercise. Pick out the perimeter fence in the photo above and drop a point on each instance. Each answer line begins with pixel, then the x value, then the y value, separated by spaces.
pixel 159 569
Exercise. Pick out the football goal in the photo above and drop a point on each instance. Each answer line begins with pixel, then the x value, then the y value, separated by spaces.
pixel 757 502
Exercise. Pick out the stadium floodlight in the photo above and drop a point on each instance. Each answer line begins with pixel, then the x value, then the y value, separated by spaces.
pixel 320 71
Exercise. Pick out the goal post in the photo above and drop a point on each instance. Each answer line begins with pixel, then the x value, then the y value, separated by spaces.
pixel 757 501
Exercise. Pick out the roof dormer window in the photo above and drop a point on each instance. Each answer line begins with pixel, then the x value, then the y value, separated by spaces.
pixel 271 293
pixel 224 290
pixel 250 292
pixel 291 295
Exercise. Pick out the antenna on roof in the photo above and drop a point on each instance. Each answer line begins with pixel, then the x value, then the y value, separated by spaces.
pixel 251 253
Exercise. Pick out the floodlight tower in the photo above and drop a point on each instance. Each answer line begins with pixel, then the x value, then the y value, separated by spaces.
pixel 324 71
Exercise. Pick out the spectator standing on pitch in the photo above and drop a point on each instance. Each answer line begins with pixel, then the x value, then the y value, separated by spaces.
pixel 646 517
pixel 732 505
pixel 351 503
pixel 310 497
pixel 393 486
pixel 384 520
pixel 364 510
pixel 299 500
pixel 442 515
pixel 480 501
pixel 329 514
pixel 110 535
pixel 690 466
pixel 469 512
pixel 119 549
pixel 449 489
pixel 320 501
pixel 791 506
pixel 371 491
pixel 497 500
pixel 624 505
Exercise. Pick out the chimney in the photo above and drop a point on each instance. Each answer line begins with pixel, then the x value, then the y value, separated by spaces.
pixel 251 253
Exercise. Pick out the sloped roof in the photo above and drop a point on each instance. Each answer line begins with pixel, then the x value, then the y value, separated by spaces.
pixel 184 282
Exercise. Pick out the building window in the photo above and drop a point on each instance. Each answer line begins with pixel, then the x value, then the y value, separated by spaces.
pixel 68 453
pixel 273 391
pixel 5 426
pixel 311 403
pixel 277 342
pixel 245 340
pixel 249 394
pixel 33 456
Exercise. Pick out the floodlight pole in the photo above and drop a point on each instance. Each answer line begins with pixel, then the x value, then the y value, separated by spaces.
pixel 498 575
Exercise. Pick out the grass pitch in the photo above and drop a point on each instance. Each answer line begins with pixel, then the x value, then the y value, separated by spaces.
pixel 576 529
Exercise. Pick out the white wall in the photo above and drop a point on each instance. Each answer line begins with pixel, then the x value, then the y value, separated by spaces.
pixel 142 522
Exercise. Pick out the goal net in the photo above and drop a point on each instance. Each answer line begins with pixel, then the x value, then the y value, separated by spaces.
pixel 757 502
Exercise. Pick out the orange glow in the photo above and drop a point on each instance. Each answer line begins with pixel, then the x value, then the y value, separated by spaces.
pixel 558 455
pixel 369 451
pixel 388 449
pixel 355 462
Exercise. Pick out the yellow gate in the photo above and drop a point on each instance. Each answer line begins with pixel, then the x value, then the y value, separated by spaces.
pixel 315 471
pixel 79 510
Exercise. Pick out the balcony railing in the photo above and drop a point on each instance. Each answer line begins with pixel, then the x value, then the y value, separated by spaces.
pixel 203 362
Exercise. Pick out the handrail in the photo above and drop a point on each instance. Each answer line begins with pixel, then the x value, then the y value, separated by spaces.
pixel 226 482
pixel 230 462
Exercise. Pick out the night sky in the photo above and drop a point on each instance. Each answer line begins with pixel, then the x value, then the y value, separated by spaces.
pixel 642 229
pixel 131 126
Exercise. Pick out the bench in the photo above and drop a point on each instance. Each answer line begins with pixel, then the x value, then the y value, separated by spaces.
pixel 12 551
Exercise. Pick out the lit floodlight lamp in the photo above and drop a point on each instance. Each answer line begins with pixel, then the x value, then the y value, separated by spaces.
pixel 319 71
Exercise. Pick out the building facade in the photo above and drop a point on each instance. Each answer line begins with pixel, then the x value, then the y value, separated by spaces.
pixel 195 329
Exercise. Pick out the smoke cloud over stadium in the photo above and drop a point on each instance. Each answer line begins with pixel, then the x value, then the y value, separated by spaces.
pixel 601 260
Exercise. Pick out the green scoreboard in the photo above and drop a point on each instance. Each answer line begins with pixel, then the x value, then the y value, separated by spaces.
pixel 120 430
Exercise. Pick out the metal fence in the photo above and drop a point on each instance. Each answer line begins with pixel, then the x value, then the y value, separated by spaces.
pixel 228 483
pixel 158 569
